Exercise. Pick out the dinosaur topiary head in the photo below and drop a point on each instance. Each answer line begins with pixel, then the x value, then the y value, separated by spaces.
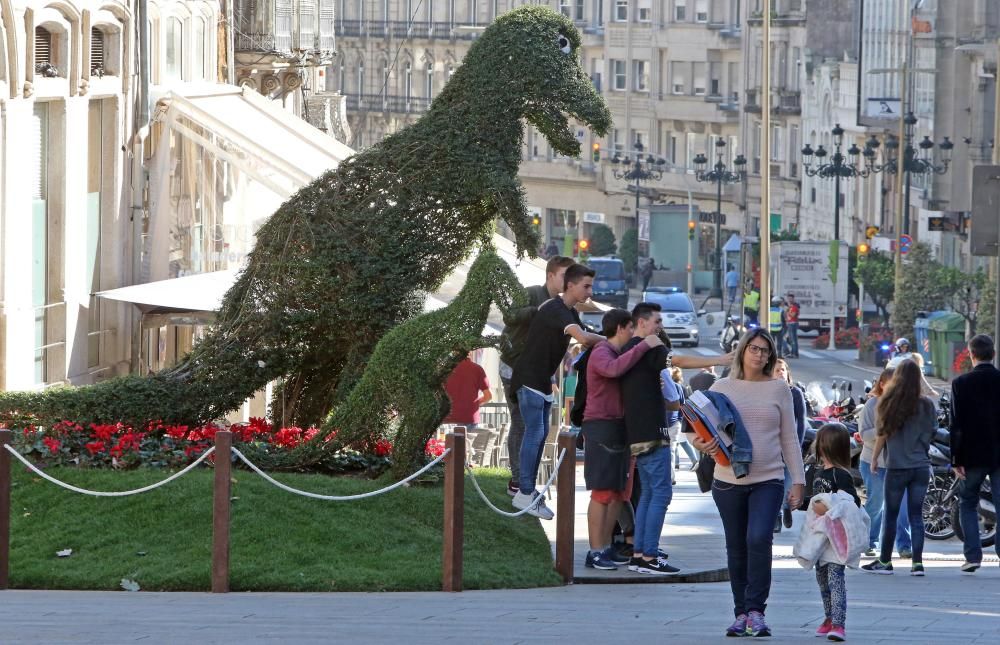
pixel 531 56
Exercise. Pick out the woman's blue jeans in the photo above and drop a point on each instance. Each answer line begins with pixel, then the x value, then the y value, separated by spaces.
pixel 911 482
pixel 657 491
pixel 874 504
pixel 748 512
pixel 535 412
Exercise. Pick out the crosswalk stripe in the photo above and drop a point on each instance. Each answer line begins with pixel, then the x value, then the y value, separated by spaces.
pixel 809 354
pixel 704 351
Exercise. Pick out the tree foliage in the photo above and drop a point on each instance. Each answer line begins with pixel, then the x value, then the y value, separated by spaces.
pixel 962 291
pixel 986 320
pixel 602 240
pixel 629 249
pixel 877 272
pixel 350 256
pixel 919 289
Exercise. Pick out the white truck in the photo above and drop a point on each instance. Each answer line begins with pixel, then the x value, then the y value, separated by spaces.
pixel 803 269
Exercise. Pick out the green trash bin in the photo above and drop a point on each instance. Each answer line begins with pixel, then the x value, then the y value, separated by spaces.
pixel 947 338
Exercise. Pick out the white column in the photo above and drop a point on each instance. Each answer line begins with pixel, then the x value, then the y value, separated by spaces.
pixel 75 275
pixel 15 207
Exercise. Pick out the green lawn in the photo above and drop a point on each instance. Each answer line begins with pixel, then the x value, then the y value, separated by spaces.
pixel 280 541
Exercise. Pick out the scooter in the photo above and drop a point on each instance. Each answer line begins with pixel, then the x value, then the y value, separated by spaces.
pixel 731 334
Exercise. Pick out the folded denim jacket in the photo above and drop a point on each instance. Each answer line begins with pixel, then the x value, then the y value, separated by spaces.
pixel 731 423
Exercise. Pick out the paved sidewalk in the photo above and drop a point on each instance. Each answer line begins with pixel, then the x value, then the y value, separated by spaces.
pixel 693 538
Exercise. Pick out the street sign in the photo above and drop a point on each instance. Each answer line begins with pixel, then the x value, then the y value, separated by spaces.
pixel 643 216
pixel 905 244
pixel 983 232
pixel 935 224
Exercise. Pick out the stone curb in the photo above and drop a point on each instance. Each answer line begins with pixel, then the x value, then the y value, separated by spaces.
pixel 630 578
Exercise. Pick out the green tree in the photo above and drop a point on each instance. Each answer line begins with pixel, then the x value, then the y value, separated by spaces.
pixel 629 250
pixel 963 292
pixel 877 273
pixel 602 240
pixel 919 289
pixel 985 321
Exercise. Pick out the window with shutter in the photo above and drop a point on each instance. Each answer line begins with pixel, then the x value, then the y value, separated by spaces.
pixel 39 229
pixel 308 10
pixel 96 52
pixel 45 65
pixel 283 25
pixel 327 16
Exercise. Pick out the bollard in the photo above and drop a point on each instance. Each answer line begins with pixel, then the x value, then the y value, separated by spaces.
pixel 454 512
pixel 566 507
pixel 5 439
pixel 221 494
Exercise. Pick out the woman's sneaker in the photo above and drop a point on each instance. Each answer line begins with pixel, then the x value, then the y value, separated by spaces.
pixel 739 627
pixel 599 560
pixel 836 634
pixel 825 628
pixel 917 569
pixel 756 625
pixel 657 567
pixel 877 566
pixel 535 503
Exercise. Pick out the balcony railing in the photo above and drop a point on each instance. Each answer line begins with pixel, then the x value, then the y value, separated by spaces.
pixel 790 102
pixel 388 103
pixel 752 104
pixel 404 29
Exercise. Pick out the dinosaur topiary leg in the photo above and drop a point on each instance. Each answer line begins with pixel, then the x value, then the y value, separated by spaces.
pixel 422 413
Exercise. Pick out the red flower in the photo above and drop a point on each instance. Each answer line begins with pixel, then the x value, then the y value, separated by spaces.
pixel 287 437
pixel 383 447
pixel 52 444
pixel 434 448
pixel 95 447
pixel 177 432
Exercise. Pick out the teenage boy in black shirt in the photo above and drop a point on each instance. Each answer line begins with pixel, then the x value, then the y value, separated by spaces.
pixel 548 338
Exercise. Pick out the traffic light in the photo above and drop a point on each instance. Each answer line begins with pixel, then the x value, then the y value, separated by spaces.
pixel 871 232
pixel 596 154
pixel 691 226
pixel 584 246
pixel 863 249
pixel 536 220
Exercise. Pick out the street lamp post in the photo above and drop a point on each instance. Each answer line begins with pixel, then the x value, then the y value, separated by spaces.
pixel 719 174
pixel 914 162
pixel 640 169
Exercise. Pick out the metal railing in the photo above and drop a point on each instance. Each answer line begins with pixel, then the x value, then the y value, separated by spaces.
pixel 388 103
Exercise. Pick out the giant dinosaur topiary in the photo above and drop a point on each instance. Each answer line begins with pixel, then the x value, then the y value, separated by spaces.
pixel 350 255
pixel 401 392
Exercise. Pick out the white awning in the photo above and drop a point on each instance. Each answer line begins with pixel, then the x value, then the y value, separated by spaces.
pixel 255 134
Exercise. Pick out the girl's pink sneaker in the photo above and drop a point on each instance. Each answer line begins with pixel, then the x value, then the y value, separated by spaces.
pixel 824 629
pixel 836 633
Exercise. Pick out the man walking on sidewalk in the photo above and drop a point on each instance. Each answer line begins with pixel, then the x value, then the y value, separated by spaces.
pixel 792 332
pixel 531 381
pixel 975 441
pixel 515 334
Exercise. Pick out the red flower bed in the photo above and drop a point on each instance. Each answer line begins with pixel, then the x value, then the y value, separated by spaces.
pixel 962 363
pixel 845 339
pixel 121 446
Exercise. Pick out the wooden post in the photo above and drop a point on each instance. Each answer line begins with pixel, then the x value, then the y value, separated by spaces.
pixel 5 439
pixel 454 512
pixel 220 511
pixel 566 507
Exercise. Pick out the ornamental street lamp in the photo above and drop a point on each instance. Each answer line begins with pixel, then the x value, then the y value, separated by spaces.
pixel 640 169
pixel 840 166
pixel 719 174
pixel 914 162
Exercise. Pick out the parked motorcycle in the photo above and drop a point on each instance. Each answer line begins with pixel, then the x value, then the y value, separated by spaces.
pixel 987 515
pixel 940 501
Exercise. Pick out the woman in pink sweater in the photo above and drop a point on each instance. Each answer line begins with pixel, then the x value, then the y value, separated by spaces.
pixel 749 505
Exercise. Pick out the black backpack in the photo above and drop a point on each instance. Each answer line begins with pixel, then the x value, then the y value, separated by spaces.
pixel 580 395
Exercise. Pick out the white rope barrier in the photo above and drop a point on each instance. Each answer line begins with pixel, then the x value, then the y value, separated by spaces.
pixel 337 498
pixel 95 493
pixel 548 484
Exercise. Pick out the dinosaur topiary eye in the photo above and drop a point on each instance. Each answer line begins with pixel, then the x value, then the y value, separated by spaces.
pixel 564 44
